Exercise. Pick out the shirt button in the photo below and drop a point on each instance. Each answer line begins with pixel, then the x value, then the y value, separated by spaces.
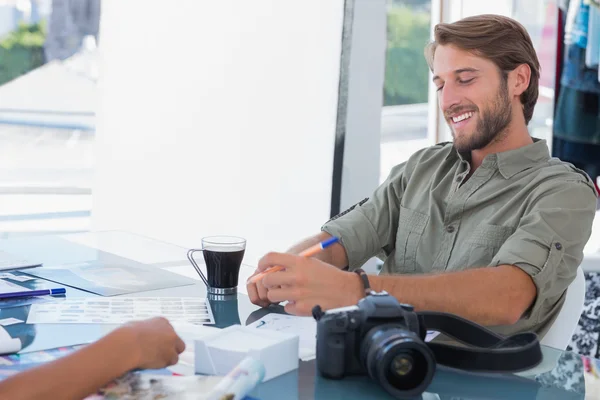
pixel 558 246
pixel 450 229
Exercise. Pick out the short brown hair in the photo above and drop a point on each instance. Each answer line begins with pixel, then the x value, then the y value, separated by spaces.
pixel 499 39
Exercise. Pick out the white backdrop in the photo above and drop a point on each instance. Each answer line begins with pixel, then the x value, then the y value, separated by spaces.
pixel 217 118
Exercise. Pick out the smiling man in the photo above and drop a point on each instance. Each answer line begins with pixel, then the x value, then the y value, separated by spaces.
pixel 488 227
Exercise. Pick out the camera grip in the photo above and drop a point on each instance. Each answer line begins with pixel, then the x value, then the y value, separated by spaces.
pixel 331 360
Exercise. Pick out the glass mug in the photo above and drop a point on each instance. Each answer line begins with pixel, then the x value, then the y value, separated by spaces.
pixel 223 257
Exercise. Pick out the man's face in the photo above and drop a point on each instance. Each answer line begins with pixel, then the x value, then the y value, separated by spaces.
pixel 473 96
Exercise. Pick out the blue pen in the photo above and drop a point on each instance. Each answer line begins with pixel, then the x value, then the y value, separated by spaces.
pixel 44 292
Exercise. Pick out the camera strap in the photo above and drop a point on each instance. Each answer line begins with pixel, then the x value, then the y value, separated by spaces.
pixel 482 349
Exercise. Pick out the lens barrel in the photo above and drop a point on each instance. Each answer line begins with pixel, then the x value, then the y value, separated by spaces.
pixel 398 360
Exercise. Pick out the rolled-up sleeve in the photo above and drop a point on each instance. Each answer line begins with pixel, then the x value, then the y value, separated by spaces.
pixel 370 227
pixel 549 240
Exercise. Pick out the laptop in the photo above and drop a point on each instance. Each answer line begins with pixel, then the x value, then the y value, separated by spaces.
pixel 10 261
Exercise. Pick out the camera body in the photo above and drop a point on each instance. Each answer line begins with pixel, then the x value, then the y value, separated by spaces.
pixel 380 337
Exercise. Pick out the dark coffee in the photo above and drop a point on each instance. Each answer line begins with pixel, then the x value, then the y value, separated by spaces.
pixel 223 267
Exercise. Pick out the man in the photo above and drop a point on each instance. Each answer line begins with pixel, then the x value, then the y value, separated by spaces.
pixel 488 227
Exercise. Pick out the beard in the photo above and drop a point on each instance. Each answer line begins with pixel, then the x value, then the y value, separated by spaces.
pixel 492 121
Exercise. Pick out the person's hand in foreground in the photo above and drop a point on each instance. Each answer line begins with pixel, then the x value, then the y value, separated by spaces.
pixel 149 344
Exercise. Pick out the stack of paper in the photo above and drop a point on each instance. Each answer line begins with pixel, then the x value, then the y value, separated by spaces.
pixel 304 327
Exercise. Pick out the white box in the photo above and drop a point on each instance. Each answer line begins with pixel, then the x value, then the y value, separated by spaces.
pixel 219 353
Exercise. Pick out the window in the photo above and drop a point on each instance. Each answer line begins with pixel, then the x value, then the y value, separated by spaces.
pixel 540 17
pixel 404 117
pixel 47 100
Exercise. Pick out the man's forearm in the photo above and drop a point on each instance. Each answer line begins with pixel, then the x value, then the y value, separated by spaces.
pixel 77 375
pixel 488 296
pixel 334 255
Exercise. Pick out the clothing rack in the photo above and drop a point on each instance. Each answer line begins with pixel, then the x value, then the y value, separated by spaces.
pixel 576 130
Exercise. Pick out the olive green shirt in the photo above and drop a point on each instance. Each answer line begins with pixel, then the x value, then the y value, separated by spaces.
pixel 520 207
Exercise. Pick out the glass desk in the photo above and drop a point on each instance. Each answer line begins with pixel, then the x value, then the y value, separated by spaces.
pixel 561 375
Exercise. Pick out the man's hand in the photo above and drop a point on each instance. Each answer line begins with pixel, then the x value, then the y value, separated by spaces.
pixel 257 291
pixel 155 343
pixel 305 282
pixel 333 255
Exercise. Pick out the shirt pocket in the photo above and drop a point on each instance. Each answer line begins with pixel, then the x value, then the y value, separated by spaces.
pixel 410 231
pixel 485 242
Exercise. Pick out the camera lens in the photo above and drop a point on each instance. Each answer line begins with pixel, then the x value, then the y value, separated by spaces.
pixel 398 360
pixel 401 365
pixel 406 370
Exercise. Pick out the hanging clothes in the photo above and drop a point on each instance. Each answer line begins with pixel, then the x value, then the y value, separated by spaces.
pixel 563 5
pixel 578 116
pixel 578 32
pixel 595 3
pixel 592 51
pixel 575 74
pixel 576 129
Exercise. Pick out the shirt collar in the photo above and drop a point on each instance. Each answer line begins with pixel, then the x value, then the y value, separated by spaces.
pixel 511 162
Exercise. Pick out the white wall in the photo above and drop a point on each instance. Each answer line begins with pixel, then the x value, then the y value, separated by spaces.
pixel 366 70
pixel 217 118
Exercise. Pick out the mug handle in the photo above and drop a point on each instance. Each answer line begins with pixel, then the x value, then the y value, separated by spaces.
pixel 190 256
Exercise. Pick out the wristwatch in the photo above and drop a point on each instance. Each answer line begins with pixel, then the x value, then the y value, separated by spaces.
pixel 365 280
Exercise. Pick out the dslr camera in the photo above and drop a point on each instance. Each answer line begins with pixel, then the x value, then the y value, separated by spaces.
pixel 379 337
